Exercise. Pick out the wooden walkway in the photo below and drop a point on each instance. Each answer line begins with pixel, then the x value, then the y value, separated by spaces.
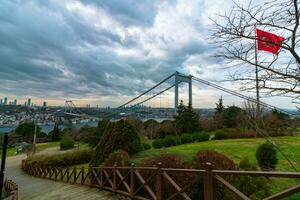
pixel 32 188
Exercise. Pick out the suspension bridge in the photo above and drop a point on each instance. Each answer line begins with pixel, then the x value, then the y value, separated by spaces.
pixel 154 99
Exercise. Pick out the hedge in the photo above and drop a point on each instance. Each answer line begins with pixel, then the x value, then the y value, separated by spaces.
pixel 60 160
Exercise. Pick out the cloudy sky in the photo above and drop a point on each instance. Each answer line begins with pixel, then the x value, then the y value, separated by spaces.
pixel 103 52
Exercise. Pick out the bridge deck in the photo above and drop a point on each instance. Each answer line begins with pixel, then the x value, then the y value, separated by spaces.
pixel 32 188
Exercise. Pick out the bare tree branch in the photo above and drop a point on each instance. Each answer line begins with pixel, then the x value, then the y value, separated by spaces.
pixel 235 33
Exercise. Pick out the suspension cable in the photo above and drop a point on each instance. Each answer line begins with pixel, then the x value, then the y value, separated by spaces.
pixel 238 94
pixel 147 91
pixel 149 98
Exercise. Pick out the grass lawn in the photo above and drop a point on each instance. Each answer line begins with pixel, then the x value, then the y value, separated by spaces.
pixel 46 145
pixel 11 151
pixel 236 149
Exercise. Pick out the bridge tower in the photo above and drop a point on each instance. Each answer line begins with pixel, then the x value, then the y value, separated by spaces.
pixel 179 78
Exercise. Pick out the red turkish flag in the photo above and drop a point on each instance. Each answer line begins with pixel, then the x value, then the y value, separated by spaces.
pixel 268 41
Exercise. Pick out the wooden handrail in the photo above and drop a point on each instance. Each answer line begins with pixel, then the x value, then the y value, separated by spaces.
pixel 131 181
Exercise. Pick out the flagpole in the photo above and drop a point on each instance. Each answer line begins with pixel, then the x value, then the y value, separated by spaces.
pixel 256 79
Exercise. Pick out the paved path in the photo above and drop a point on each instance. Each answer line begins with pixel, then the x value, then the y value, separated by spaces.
pixel 33 188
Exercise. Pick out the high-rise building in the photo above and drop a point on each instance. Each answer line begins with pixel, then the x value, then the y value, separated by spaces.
pixel 15 102
pixel 1 101
pixel 29 102
pixel 5 101
pixel 44 104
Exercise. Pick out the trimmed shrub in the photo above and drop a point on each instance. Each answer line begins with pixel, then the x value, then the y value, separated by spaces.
pixel 67 143
pixel 200 137
pixel 218 161
pixel 158 143
pixel 253 187
pixel 220 135
pixel 120 158
pixel 168 161
pixel 238 133
pixel 171 141
pixel 186 138
pixel 146 146
pixel 166 127
pixel 266 156
pixel 61 159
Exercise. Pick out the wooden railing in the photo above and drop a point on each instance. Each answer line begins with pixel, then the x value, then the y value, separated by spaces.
pixel 156 183
pixel 12 189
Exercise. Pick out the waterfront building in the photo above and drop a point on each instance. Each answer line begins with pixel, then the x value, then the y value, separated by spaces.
pixel 29 102
pixel 44 104
pixel 5 101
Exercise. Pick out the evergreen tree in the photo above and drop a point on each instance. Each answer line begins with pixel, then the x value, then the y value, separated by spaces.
pixel 102 126
pixel 187 120
pixel 119 135
pixel 232 116
pixel 56 133
pixel 219 106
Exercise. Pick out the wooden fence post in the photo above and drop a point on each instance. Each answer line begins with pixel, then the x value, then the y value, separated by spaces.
pixel 82 175
pixel 90 176
pixel 75 175
pixel 68 174
pixel 114 178
pixel 132 186
pixel 101 178
pixel 55 174
pixel 208 182
pixel 159 192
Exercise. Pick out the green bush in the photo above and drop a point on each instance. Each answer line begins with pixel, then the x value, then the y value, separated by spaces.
pixel 89 135
pixel 200 137
pixel 67 143
pixel 27 129
pixel 186 138
pixel 266 156
pixel 220 135
pixel 158 143
pixel 120 158
pixel 253 187
pixel 61 159
pixel 146 146
pixel 171 141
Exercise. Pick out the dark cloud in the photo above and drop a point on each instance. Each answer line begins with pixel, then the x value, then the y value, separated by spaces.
pixel 64 49
pixel 129 12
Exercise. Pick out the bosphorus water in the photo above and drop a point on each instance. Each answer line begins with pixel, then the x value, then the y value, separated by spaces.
pixel 48 128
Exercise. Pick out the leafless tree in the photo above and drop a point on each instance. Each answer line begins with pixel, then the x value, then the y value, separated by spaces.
pixel 235 33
